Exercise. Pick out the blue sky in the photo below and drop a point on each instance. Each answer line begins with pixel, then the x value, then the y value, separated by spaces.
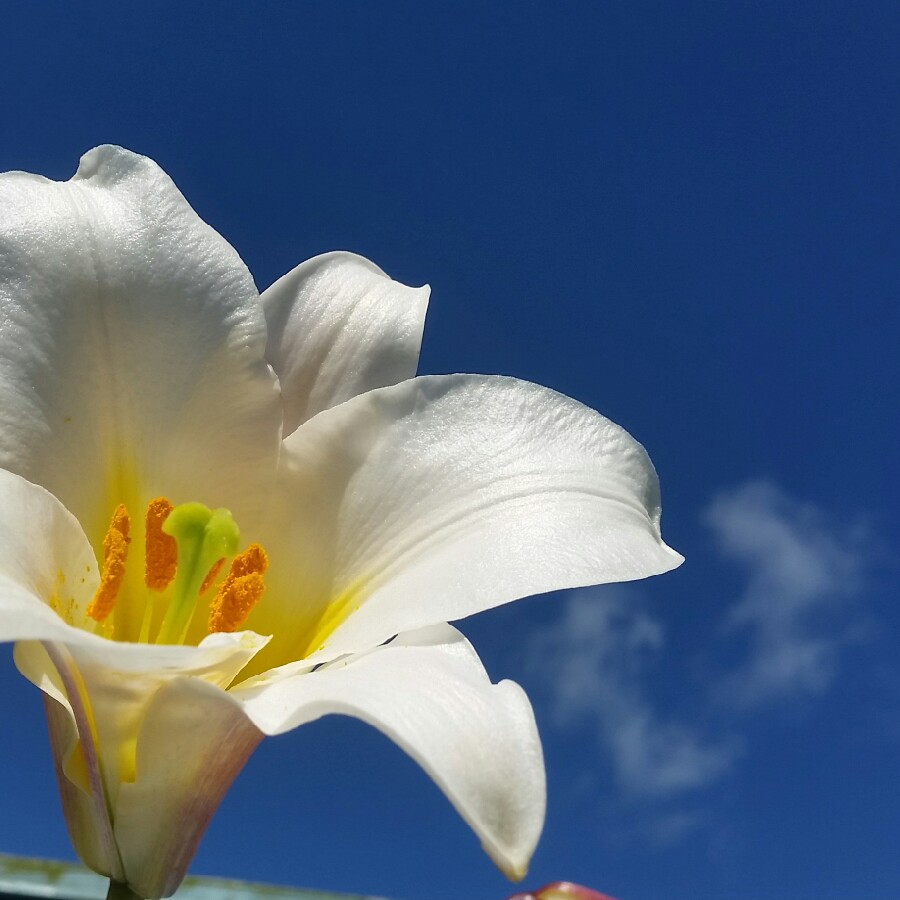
pixel 684 214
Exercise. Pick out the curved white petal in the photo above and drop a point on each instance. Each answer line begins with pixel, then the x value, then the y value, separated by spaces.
pixel 132 346
pixel 80 781
pixel 48 573
pixel 338 327
pixel 443 496
pixel 428 692
pixel 145 746
pixel 116 687
pixel 192 742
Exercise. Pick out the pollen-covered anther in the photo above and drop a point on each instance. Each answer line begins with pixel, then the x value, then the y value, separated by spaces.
pixel 161 549
pixel 240 591
pixel 115 552
pixel 211 576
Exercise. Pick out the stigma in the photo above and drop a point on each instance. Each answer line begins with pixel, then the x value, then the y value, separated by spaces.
pixel 186 548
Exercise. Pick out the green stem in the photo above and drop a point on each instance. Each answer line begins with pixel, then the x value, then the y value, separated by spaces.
pixel 120 891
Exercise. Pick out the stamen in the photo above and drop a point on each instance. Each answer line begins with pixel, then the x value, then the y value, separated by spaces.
pixel 211 576
pixel 240 591
pixel 161 549
pixel 115 552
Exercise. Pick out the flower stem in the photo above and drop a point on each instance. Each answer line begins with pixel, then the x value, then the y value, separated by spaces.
pixel 120 891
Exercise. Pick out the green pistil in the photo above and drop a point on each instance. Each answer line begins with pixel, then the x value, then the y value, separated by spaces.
pixel 204 536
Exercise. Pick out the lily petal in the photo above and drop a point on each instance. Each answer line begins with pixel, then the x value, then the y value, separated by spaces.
pixel 338 327
pixel 442 496
pixel 48 573
pixel 193 741
pixel 130 758
pixel 116 690
pixel 428 692
pixel 126 326
pixel 80 779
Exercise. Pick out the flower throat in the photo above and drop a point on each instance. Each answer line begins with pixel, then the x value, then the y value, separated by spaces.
pixel 185 549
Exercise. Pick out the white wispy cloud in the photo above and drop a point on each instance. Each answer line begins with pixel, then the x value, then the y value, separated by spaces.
pixel 783 627
pixel 593 662
pixel 801 569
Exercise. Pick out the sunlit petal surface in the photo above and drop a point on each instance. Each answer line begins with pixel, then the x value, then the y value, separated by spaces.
pixel 223 516
pixel 338 327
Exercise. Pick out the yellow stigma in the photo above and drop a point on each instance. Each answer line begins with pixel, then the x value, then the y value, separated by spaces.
pixel 161 550
pixel 240 591
pixel 115 552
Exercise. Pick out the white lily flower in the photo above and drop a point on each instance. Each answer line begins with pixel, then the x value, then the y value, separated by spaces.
pixel 140 370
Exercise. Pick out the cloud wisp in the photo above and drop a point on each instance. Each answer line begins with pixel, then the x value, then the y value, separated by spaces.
pixel 783 629
pixel 801 570
pixel 593 662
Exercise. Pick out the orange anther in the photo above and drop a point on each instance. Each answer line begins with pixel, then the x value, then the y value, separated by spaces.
pixel 211 576
pixel 115 552
pixel 253 559
pixel 161 549
pixel 240 591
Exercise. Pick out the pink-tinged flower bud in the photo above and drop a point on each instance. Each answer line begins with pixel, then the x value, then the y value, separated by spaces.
pixel 562 890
